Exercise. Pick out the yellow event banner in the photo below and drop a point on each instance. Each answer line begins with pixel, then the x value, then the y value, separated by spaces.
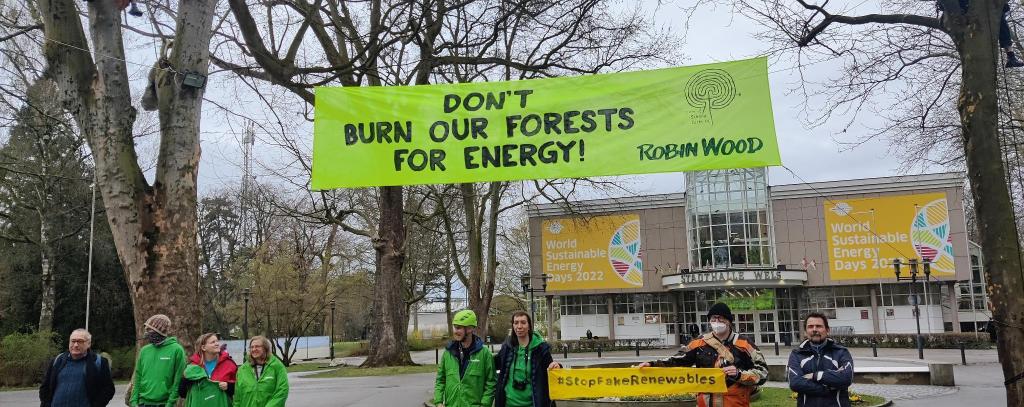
pixel 667 120
pixel 592 252
pixel 864 235
pixel 567 384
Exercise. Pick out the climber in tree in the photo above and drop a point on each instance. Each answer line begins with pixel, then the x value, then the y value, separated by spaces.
pixel 1005 41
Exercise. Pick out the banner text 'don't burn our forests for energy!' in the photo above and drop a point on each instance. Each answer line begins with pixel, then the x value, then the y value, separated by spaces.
pixel 667 120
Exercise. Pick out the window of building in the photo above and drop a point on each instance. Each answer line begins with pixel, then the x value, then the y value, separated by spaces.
pixel 727 214
pixel 583 305
pixel 973 292
pixel 898 294
pixel 646 304
pixel 855 296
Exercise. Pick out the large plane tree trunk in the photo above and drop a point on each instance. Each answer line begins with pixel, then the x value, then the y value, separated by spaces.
pixel 154 226
pixel 979 112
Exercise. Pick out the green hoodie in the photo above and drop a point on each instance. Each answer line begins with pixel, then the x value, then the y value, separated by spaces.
pixel 271 390
pixel 203 393
pixel 521 373
pixel 473 388
pixel 157 373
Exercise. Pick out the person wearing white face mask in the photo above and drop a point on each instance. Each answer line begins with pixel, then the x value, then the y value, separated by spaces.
pixel 742 363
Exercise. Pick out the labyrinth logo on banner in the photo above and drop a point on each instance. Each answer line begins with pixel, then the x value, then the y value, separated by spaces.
pixel 668 120
pixel 595 252
pixel 565 384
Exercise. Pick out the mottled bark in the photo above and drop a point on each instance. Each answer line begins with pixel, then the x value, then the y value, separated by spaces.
pixel 47 298
pixel 154 226
pixel 978 107
pixel 388 339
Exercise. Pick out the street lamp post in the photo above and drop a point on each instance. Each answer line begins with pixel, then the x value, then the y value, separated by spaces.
pixel 245 323
pixel 331 345
pixel 896 263
pixel 527 282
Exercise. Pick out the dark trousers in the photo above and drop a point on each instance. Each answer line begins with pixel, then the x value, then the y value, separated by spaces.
pixel 1004 26
pixel 1004 29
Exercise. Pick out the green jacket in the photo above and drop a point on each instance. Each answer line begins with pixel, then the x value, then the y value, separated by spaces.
pixel 158 372
pixel 466 381
pixel 271 390
pixel 204 393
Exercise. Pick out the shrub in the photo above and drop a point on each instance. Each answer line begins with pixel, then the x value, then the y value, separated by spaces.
pixel 122 362
pixel 948 340
pixel 426 344
pixel 24 358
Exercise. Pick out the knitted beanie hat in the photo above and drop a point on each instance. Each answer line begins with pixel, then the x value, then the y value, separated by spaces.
pixel 721 310
pixel 159 323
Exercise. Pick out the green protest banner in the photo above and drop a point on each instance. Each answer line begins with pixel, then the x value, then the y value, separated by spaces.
pixel 667 120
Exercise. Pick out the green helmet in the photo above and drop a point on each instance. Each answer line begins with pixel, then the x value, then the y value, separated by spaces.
pixel 465 317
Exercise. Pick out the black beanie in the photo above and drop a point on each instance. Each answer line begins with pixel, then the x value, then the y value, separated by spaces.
pixel 721 310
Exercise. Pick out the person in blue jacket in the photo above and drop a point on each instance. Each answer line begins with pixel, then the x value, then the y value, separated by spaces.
pixel 820 370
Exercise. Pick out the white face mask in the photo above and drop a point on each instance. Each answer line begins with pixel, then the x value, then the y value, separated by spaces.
pixel 719 327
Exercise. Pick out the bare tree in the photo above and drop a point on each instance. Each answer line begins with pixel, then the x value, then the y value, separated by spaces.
pixel 44 181
pixel 300 44
pixel 154 224
pixel 910 41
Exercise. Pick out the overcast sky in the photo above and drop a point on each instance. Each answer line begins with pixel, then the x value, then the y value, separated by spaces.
pixel 714 35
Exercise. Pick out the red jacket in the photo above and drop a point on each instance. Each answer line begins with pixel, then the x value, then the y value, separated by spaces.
pixel 223 372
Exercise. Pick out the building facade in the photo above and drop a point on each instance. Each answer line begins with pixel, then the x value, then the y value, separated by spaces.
pixel 651 266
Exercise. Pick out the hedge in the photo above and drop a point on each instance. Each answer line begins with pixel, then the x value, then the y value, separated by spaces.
pixel 948 340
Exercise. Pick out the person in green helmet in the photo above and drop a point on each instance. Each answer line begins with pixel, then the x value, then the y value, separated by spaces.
pixel 159 367
pixel 263 379
pixel 465 376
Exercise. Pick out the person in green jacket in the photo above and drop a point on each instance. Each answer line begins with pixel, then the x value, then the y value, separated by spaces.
pixel 203 393
pixel 262 379
pixel 159 367
pixel 465 376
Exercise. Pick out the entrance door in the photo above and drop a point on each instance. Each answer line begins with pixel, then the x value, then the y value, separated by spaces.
pixel 759 327
pixel 767 333
pixel 745 324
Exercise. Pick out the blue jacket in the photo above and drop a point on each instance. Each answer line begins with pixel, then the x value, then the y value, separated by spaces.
pixel 540 358
pixel 831 375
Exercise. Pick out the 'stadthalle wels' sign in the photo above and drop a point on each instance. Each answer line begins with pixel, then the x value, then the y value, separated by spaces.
pixel 652 381
pixel 676 119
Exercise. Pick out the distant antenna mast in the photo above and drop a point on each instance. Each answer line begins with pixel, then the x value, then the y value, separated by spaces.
pixel 248 181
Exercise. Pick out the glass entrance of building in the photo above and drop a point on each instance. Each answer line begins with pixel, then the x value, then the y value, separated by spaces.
pixel 758 326
pixel 766 325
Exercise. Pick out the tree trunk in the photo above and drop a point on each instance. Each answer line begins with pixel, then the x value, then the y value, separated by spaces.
pixel 154 227
pixel 475 246
pixel 999 241
pixel 388 339
pixel 47 298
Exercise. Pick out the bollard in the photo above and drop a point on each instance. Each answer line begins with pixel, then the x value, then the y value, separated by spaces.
pixel 776 348
pixel 565 351
pixel 963 354
pixel 638 348
pixel 598 351
pixel 437 356
pixel 874 347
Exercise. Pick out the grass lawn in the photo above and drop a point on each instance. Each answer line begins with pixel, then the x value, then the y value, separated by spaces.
pixel 349 371
pixel 345 349
pixel 776 397
pixel 307 367
pixel 18 388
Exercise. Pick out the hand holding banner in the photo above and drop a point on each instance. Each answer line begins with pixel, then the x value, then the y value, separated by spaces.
pixel 565 384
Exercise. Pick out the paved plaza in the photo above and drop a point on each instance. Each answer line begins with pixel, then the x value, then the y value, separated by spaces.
pixel 978 384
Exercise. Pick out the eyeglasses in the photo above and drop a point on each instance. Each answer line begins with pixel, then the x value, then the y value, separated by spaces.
pixel 79 341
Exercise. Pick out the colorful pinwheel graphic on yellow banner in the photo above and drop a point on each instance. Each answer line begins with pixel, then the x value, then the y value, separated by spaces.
pixel 931 237
pixel 624 253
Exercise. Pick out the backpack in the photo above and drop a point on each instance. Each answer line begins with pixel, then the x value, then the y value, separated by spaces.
pixel 98 361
